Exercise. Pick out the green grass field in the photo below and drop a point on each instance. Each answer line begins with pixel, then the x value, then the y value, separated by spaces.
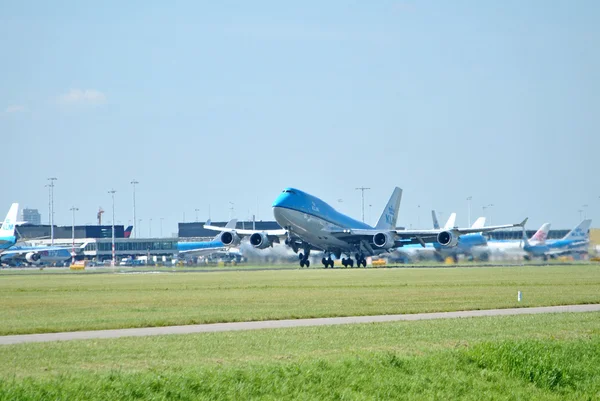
pixel 49 302
pixel 553 357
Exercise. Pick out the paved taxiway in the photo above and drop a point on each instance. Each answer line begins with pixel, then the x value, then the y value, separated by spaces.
pixel 277 324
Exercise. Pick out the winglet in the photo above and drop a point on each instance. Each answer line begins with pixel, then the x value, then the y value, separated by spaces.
pixel 522 224
pixel 208 222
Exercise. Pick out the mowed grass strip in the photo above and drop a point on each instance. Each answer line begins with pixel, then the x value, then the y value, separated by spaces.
pixel 512 357
pixel 50 303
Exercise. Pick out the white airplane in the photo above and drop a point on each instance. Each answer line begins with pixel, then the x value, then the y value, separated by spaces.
pixel 311 224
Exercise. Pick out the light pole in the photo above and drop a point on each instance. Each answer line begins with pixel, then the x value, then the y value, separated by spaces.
pixel 161 220
pixel 490 206
pixel 486 207
pixel 150 228
pixel 112 193
pixel 469 198
pixel 196 210
pixel 140 223
pixel 134 182
pixel 580 211
pixel 584 211
pixel 51 188
pixel 73 209
pixel 362 190
pixel 418 216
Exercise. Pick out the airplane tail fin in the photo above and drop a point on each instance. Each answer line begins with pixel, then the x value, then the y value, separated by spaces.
pixel 450 222
pixel 8 226
pixel 127 232
pixel 436 224
pixel 580 232
pixel 479 223
pixel 389 217
pixel 542 234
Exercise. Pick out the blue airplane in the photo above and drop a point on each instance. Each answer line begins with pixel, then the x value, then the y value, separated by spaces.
pixel 37 255
pixel 576 241
pixel 201 248
pixel 7 231
pixel 311 224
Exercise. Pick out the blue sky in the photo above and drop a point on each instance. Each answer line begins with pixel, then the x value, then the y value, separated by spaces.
pixel 207 103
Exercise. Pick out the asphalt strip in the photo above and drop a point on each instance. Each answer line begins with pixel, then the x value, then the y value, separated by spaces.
pixel 278 324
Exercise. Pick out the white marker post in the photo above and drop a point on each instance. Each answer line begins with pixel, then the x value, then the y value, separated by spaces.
pixel 519 296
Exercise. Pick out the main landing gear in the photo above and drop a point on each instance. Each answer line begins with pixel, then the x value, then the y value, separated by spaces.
pixel 360 260
pixel 304 262
pixel 327 262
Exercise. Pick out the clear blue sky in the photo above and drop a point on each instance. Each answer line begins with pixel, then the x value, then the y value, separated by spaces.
pixel 207 103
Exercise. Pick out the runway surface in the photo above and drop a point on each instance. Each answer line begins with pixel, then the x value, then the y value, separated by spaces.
pixel 277 324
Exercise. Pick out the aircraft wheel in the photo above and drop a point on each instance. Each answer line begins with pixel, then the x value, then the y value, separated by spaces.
pixel 307 263
pixel 330 262
pixel 324 261
pixel 364 263
pixel 301 262
pixel 301 256
pixel 350 262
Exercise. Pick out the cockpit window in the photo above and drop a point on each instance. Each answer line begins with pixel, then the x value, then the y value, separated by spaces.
pixel 289 191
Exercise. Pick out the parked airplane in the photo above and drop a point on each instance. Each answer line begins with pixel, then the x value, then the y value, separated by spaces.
pixel 311 224
pixel 516 246
pixel 127 232
pixel 576 241
pixel 7 231
pixel 201 248
pixel 38 255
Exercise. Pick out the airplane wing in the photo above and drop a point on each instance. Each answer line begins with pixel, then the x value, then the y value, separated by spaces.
pixel 202 251
pixel 404 237
pixel 243 233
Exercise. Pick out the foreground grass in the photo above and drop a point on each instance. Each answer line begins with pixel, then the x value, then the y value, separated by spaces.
pixel 513 357
pixel 51 303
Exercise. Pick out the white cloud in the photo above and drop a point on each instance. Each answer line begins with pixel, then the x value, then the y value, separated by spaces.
pixel 79 96
pixel 15 109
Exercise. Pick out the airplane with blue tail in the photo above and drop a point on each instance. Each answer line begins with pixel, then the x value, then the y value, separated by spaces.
pixel 576 241
pixel 311 224
pixel 7 231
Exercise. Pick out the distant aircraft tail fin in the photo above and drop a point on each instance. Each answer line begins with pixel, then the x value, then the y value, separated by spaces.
pixel 8 226
pixel 389 217
pixel 436 223
pixel 127 232
pixel 542 234
pixel 580 232
pixel 450 222
pixel 479 223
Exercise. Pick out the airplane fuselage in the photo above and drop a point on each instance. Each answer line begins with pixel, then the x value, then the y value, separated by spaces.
pixel 312 220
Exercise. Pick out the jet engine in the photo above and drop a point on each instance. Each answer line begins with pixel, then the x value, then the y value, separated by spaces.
pixel 384 240
pixel 230 238
pixel 32 257
pixel 260 240
pixel 447 239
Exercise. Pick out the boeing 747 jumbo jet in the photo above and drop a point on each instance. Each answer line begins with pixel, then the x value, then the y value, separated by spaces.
pixel 7 231
pixel 311 224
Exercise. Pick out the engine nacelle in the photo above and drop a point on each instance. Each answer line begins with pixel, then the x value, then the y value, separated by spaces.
pixel 32 257
pixel 447 239
pixel 384 240
pixel 230 238
pixel 260 240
